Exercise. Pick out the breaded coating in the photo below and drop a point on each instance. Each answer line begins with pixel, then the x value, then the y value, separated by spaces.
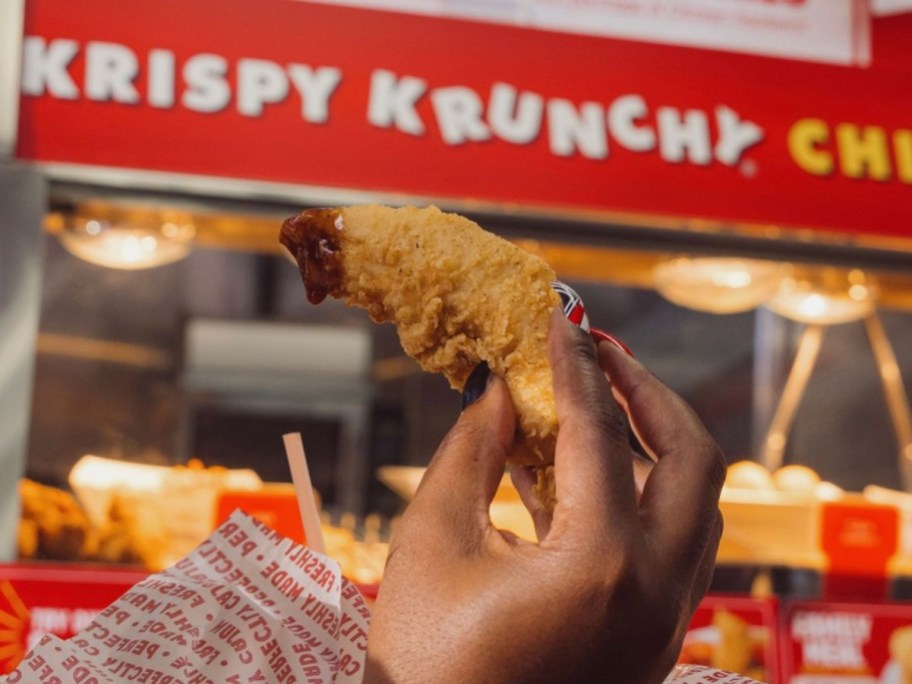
pixel 457 294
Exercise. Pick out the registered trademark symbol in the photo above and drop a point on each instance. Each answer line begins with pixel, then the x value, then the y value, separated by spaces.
pixel 748 168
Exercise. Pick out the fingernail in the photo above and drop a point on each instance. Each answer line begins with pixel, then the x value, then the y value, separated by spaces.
pixel 476 385
pixel 571 304
pixel 602 336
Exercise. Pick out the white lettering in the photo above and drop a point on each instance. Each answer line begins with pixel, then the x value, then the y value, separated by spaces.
pixel 459 113
pixel 510 114
pixel 735 135
pixel 571 129
pixel 811 625
pixel 110 72
pixel 260 82
pixel 207 89
pixel 686 136
pixel 53 620
pixel 623 115
pixel 315 86
pixel 834 654
pixel 161 79
pixel 44 66
pixel 392 102
pixel 516 122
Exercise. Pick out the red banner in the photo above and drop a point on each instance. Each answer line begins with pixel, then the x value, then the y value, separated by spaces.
pixel 45 599
pixel 330 96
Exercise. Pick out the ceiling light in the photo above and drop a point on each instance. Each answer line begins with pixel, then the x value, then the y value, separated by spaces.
pixel 718 285
pixel 127 239
pixel 825 296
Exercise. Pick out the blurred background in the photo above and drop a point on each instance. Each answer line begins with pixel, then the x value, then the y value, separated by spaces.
pixel 728 185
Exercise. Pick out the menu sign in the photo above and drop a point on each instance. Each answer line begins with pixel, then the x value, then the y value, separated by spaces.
pixel 326 96
pixel 818 30
pixel 831 643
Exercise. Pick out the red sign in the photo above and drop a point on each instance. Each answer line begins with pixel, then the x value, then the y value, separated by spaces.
pixel 36 600
pixel 323 95
pixel 859 540
pixel 830 643
pixel 276 507
pixel 735 634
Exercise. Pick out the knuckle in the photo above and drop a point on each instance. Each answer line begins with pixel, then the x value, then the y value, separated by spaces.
pixel 592 400
pixel 607 420
pixel 715 465
pixel 582 352
pixel 704 457
pixel 583 348
pixel 463 432
pixel 707 536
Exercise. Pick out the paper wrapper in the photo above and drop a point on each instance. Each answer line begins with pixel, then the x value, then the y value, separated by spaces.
pixel 694 674
pixel 247 605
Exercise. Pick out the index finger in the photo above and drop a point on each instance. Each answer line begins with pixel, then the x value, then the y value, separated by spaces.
pixel 680 500
pixel 593 478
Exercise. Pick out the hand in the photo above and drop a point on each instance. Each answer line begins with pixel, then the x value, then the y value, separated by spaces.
pixel 607 592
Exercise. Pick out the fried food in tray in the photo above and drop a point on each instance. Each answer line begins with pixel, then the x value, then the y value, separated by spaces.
pixel 129 537
pixel 458 296
pixel 54 526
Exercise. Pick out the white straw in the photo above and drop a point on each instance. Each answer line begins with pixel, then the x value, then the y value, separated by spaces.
pixel 307 504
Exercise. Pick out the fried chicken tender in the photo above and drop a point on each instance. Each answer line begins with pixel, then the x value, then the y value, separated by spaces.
pixel 457 294
pixel 53 524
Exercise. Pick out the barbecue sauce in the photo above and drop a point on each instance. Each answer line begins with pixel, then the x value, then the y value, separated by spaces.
pixel 314 238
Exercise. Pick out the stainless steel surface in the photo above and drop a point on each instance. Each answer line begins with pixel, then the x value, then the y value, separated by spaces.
pixel 771 339
pixel 849 391
pixel 895 394
pixel 135 181
pixel 298 370
pixel 805 358
pixel 11 16
pixel 23 196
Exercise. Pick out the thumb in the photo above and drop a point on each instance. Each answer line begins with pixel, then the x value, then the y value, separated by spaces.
pixel 456 492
